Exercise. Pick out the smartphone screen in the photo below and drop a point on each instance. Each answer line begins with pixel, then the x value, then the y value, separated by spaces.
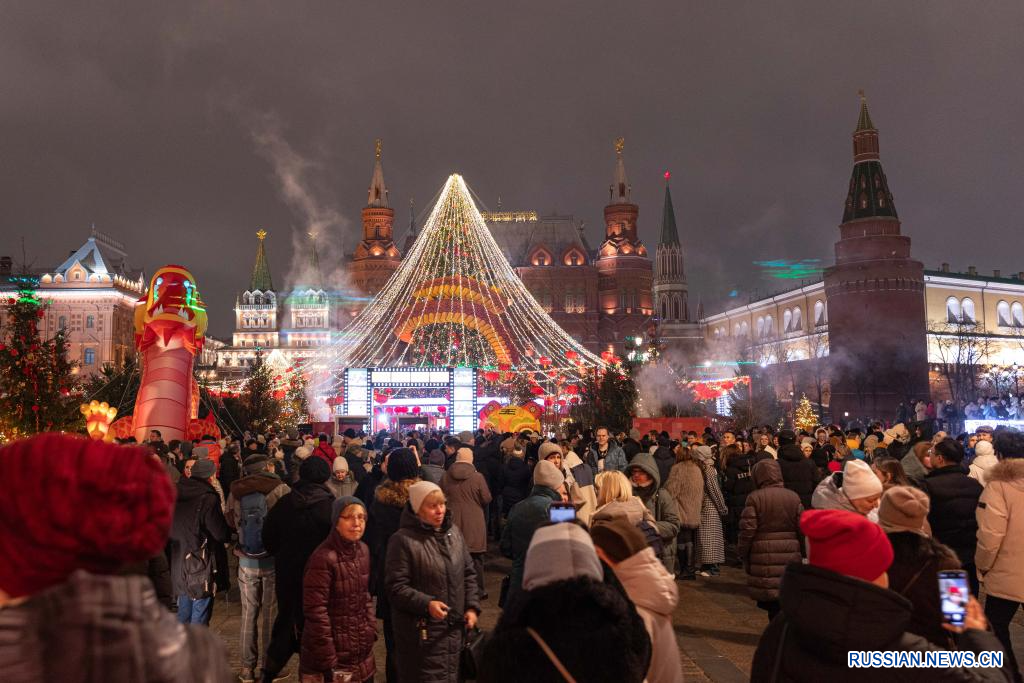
pixel 562 512
pixel 954 593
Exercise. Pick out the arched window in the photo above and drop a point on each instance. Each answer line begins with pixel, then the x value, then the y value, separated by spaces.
pixel 664 308
pixel 90 321
pixel 952 310
pixel 745 328
pixel 798 322
pixel 769 326
pixel 1003 314
pixel 760 327
pixel 819 313
pixel 89 357
pixel 737 330
pixel 678 306
pixel 257 299
pixel 967 311
pixel 246 298
pixel 787 320
pixel 1017 313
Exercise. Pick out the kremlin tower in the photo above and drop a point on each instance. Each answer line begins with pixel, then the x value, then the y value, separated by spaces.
pixel 376 257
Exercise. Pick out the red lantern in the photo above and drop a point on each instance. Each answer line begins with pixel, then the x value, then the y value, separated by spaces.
pixel 561 401
pixel 536 391
pixel 572 389
pixel 504 367
pixel 491 376
pixel 442 409
pixel 571 355
pixel 544 361
pixel 552 373
pixel 549 401
pixel 606 356
pixel 415 410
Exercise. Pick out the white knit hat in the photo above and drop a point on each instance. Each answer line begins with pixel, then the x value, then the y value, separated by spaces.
pixel 464 455
pixel 859 481
pixel 984 448
pixel 560 552
pixel 340 465
pixel 419 491
pixel 303 452
pixel 546 474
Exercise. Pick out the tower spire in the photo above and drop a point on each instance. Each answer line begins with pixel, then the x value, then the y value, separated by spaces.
pixel 314 261
pixel 869 195
pixel 378 194
pixel 620 190
pixel 669 234
pixel 261 279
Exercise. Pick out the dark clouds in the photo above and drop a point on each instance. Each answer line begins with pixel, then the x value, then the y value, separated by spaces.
pixel 144 117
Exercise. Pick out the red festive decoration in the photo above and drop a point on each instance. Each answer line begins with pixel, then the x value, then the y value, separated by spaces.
pixel 572 355
pixel 442 409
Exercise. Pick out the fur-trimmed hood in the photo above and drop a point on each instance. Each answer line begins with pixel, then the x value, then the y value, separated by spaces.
pixel 1010 470
pixel 394 493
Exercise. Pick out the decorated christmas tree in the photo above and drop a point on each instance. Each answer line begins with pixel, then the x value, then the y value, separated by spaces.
pixel 455 301
pixel 261 409
pixel 36 376
pixel 806 419
pixel 295 406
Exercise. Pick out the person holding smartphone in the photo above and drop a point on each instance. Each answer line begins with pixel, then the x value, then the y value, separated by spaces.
pixel 840 602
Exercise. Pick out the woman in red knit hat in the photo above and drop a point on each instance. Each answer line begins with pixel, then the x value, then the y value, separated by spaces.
pixel 76 513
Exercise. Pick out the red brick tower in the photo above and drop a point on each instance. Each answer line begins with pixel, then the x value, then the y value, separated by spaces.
pixel 875 291
pixel 624 270
pixel 376 257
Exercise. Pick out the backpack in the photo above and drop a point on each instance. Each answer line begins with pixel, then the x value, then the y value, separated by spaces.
pixel 197 571
pixel 250 527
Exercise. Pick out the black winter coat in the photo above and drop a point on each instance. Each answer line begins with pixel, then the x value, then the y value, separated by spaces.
pixel 197 515
pixel 664 459
pixel 916 561
pixel 631 447
pixel 799 474
pixel 739 482
pixel 425 564
pixel 292 530
pixel 383 520
pixel 230 471
pixel 769 537
pixel 825 615
pixel 516 478
pixel 954 501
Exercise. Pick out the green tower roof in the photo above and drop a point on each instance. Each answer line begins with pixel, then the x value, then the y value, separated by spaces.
pixel 261 270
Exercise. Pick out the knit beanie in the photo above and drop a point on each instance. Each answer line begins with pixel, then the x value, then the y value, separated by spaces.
pixel 402 465
pixel 846 543
pixel 904 508
pixel 466 438
pixel 984 448
pixel 338 506
pixel 859 481
pixel 560 552
pixel 314 470
pixel 464 455
pixel 548 449
pixel 255 464
pixel 73 503
pixel 203 469
pixel 340 465
pixel 200 453
pixel 435 457
pixel 546 474
pixel 618 538
pixel 419 491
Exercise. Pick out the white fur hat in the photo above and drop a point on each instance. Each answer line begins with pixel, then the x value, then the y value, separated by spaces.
pixel 859 481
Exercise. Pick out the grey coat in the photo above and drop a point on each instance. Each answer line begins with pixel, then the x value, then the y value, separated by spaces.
pixel 467 495
pixel 95 628
pixel 425 564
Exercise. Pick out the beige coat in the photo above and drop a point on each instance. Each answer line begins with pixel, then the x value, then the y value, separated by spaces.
pixel 653 590
pixel 1000 553
pixel 686 484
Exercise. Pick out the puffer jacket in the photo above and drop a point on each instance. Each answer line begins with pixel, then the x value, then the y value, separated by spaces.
pixel 653 590
pixel 383 520
pixel 425 564
pixel 686 485
pixel 916 559
pixel 197 516
pixel 515 479
pixel 954 500
pixel 468 496
pixel 1000 516
pixel 826 615
pixel 981 466
pixel 94 628
pixel 340 627
pixel 581 489
pixel 664 458
pixel 614 458
pixel 799 474
pixel 525 518
pixel 292 530
pixel 769 536
pixel 828 496
pixel 662 506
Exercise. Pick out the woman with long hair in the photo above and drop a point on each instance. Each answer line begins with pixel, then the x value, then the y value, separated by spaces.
pixel 890 472
pixel 686 485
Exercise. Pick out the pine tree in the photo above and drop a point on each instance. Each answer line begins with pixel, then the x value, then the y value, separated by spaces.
pixel 36 377
pixel 118 387
pixel 261 409
pixel 606 400
pixel 805 419
pixel 295 407
pixel 755 404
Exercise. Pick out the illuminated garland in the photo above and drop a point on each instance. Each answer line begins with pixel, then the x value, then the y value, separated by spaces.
pixel 455 301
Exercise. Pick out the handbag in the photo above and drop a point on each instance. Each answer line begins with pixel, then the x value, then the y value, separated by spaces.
pixel 472 655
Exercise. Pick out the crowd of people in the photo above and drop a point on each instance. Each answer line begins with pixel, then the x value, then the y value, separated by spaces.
pixel 841 534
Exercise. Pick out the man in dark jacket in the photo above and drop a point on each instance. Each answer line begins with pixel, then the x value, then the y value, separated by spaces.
pixel 954 502
pixel 769 537
pixel 631 445
pixel 198 524
pixel 526 517
pixel 739 483
pixel 664 457
pixel 255 565
pixel 292 530
pixel 838 604
pixel 799 474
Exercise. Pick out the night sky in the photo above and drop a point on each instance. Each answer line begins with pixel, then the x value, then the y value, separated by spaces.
pixel 181 128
